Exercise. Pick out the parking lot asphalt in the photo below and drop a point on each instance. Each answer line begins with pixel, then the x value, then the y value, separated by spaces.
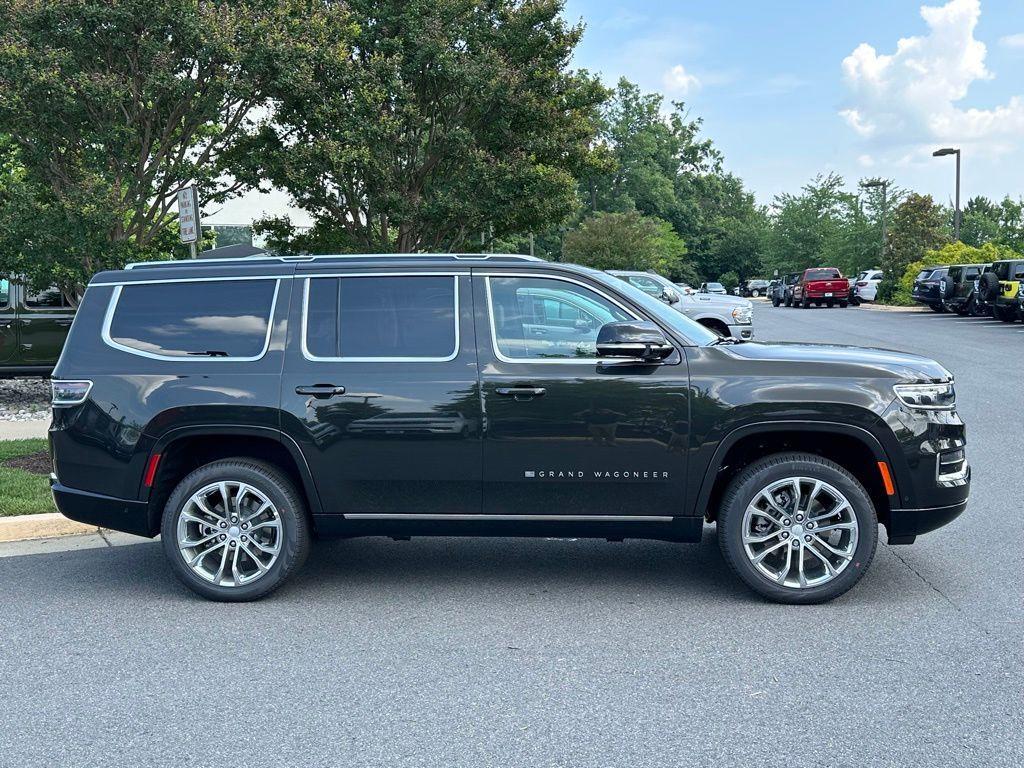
pixel 475 652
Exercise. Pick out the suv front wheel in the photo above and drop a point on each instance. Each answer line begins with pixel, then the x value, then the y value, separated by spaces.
pixel 235 530
pixel 798 528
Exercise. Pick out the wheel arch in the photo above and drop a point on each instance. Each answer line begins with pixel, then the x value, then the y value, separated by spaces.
pixel 184 449
pixel 853 447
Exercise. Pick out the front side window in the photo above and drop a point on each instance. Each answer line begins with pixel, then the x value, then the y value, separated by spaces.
pixel 407 317
pixel 205 319
pixel 529 318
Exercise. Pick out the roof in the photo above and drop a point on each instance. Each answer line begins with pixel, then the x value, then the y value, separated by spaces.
pixel 236 251
pixel 335 258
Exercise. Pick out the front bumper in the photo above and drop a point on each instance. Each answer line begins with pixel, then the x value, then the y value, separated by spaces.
pixel 745 332
pixel 905 525
pixel 126 515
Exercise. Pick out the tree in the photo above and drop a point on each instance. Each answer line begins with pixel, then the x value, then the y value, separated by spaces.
pixel 627 241
pixel 979 222
pixel 113 106
pixel 445 120
pixel 918 225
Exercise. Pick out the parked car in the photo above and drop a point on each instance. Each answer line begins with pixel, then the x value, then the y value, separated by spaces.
pixel 712 288
pixel 959 285
pixel 1009 273
pixel 726 315
pixel 865 285
pixel 754 288
pixel 212 403
pixel 927 288
pixel 782 293
pixel 33 326
pixel 821 285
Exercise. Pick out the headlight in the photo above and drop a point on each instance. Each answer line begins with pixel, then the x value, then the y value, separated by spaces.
pixel 931 397
pixel 742 314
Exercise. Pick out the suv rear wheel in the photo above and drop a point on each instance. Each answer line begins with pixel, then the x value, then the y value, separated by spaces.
pixel 235 530
pixel 797 528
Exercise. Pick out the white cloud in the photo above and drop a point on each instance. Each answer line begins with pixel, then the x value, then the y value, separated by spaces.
pixel 911 96
pixel 866 161
pixel 1012 41
pixel 678 80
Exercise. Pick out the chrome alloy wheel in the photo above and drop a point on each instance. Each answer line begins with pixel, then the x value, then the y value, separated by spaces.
pixel 229 533
pixel 800 532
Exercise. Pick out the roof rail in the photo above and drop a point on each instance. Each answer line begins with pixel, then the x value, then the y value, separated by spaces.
pixel 324 257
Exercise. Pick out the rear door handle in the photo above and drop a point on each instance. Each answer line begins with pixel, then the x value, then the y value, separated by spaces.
pixel 520 392
pixel 322 391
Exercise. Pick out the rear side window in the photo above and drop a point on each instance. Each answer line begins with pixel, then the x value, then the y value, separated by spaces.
pixel 822 274
pixel 51 298
pixel 379 318
pixel 5 293
pixel 209 319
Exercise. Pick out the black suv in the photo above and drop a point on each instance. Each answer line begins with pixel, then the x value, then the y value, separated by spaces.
pixel 957 288
pixel 238 408
pixel 927 288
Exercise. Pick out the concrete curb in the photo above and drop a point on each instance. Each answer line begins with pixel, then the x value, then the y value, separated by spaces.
pixel 45 526
pixel 19 430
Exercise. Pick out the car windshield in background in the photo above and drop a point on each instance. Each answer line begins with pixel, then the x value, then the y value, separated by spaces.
pixel 716 287
pixel 924 274
pixel 690 330
pixel 823 274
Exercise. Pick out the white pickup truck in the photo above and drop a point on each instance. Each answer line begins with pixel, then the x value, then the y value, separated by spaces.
pixel 727 315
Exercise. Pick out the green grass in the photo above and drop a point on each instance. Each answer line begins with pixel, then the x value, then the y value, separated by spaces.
pixel 21 492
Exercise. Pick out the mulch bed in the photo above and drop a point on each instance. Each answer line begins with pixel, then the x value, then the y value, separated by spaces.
pixel 37 463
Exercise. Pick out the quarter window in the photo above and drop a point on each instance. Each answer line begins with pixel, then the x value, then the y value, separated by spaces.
pixel 379 318
pixel 214 319
pixel 541 318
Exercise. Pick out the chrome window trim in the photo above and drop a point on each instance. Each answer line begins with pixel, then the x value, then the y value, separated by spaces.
pixel 548 276
pixel 317 359
pixel 554 518
pixel 112 307
pixel 220 278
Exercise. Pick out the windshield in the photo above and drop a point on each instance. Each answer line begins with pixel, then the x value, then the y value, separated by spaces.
pixel 822 274
pixel 693 332
pixel 715 287
pixel 924 274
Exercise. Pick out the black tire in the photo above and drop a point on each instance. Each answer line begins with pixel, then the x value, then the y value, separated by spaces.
pixel 830 304
pixel 775 301
pixel 789 301
pixel 842 304
pixel 806 303
pixel 294 518
pixel 743 489
pixel 988 287
pixel 1006 314
pixel 936 308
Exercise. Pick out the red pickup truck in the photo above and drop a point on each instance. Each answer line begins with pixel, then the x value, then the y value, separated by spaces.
pixel 821 285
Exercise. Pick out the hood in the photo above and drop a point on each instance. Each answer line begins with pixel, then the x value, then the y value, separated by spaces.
pixel 840 360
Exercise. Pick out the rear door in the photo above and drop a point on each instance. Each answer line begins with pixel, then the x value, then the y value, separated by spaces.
pixel 44 320
pixel 380 390
pixel 566 435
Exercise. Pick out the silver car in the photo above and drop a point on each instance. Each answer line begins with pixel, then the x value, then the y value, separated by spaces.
pixel 726 315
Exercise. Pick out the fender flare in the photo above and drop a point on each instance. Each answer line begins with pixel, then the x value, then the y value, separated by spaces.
pixel 767 427
pixel 288 442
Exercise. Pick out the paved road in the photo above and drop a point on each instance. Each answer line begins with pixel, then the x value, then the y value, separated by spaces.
pixel 550 653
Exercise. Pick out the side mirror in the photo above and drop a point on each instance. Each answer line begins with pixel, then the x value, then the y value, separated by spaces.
pixel 669 296
pixel 636 339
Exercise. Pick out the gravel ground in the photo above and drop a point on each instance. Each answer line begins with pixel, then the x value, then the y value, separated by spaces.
pixel 24 399
pixel 504 652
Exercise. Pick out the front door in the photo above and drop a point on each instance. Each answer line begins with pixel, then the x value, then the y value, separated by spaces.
pixel 568 435
pixel 380 391
pixel 8 318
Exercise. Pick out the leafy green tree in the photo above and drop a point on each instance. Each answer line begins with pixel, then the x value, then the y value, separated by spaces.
pixel 979 221
pixel 1011 224
pixel 626 241
pixel 115 105
pixel 918 226
pixel 445 119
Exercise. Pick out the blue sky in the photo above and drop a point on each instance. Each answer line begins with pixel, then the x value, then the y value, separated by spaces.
pixel 788 89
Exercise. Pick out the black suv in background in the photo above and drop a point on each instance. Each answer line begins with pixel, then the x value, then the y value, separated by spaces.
pixel 927 288
pixel 236 408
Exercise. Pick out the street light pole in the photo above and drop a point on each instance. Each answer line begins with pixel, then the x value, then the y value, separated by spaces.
pixel 956 214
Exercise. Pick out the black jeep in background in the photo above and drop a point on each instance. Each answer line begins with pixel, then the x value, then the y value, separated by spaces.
pixel 236 408
pixel 33 327
pixel 957 288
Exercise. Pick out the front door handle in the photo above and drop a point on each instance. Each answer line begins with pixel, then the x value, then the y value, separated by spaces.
pixel 322 391
pixel 520 392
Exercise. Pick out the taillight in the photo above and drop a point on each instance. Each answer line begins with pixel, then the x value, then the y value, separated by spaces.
pixel 65 392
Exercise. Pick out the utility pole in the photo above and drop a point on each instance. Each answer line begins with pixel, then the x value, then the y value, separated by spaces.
pixel 956 214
